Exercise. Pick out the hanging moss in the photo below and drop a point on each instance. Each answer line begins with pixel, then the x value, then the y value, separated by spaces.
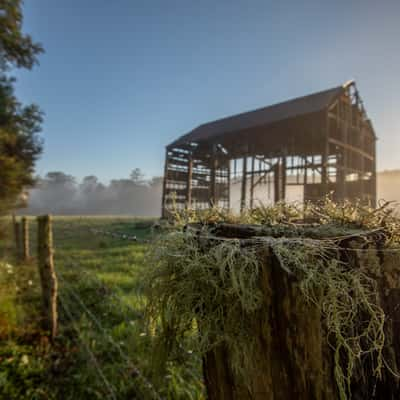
pixel 348 301
pixel 205 289
pixel 191 286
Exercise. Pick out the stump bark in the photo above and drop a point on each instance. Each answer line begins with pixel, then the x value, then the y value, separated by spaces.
pixel 294 359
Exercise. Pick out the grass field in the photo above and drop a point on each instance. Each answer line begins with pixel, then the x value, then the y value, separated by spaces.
pixel 104 348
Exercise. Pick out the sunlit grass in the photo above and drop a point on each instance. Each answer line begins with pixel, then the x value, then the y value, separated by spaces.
pixel 100 274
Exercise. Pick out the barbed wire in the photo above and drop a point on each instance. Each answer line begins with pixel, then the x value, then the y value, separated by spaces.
pixel 116 362
pixel 260 240
pixel 95 362
pixel 110 291
pixel 147 384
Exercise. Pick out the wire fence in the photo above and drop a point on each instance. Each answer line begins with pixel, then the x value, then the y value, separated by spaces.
pixel 127 364
pixel 135 371
pixel 95 362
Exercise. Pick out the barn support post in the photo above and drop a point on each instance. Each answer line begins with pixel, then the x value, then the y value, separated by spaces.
pixel 229 185
pixel 324 158
pixel 280 179
pixel 213 172
pixel 244 185
pixel 346 129
pixel 362 161
pixel 47 274
pixel 252 183
pixel 276 176
pixel 189 182
pixel 305 182
pixel 284 172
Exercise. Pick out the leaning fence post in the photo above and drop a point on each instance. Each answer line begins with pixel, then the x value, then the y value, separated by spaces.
pixel 25 238
pixel 47 274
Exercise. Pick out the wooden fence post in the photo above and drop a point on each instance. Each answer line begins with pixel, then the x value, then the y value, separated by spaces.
pixel 17 238
pixel 47 274
pixel 25 239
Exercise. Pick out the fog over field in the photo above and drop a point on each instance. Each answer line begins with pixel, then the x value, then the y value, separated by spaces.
pixel 61 194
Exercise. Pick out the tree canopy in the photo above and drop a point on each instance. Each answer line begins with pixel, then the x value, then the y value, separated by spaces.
pixel 20 145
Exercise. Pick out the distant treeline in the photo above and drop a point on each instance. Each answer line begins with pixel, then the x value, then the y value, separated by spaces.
pixel 61 194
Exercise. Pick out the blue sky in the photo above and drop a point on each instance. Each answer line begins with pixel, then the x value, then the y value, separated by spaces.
pixel 121 79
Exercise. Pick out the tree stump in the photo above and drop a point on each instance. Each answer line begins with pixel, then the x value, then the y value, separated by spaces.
pixel 294 358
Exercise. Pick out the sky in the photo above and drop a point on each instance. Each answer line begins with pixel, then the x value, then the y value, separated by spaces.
pixel 121 79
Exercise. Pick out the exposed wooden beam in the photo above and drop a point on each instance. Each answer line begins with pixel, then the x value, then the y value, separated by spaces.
pixel 352 148
pixel 189 183
pixel 244 188
pixel 252 183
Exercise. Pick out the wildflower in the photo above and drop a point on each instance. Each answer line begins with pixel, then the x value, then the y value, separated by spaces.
pixel 24 359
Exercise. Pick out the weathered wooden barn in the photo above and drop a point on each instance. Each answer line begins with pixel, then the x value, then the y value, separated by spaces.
pixel 323 143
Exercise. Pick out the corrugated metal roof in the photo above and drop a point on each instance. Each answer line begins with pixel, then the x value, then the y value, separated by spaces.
pixel 262 116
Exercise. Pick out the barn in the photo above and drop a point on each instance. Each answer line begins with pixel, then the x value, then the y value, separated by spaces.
pixel 323 143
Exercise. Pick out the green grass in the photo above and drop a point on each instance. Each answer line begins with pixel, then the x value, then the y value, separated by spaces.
pixel 24 352
pixel 104 348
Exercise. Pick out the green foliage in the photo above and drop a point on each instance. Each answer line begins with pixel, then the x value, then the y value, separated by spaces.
pixel 16 48
pixel 19 125
pixel 22 374
pixel 23 362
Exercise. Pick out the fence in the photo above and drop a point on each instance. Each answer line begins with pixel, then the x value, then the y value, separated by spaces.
pixel 72 306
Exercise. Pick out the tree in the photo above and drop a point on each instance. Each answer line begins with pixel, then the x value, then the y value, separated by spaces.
pixel 137 176
pixel 60 178
pixel 20 145
pixel 89 184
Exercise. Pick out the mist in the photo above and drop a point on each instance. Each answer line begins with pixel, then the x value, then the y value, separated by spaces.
pixel 61 194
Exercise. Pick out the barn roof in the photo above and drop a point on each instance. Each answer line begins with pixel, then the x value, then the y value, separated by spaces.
pixel 260 117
